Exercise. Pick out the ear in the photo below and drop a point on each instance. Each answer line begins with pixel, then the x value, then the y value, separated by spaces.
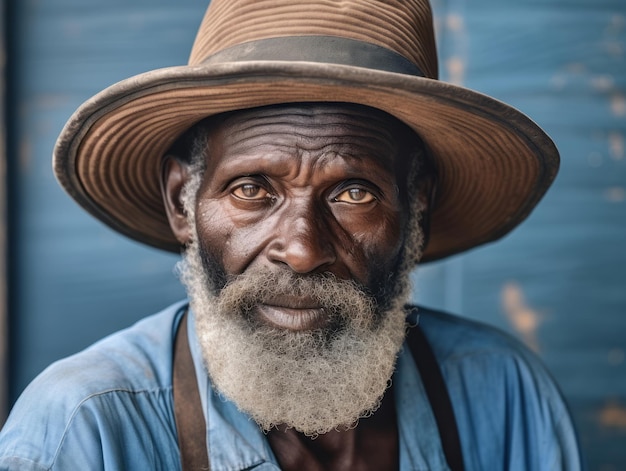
pixel 174 175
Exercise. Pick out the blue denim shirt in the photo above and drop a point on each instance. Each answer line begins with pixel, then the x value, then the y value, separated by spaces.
pixel 110 407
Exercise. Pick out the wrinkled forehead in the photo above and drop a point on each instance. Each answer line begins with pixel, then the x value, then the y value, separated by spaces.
pixel 368 130
pixel 341 119
pixel 326 132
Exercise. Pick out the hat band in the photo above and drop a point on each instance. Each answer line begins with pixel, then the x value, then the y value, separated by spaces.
pixel 322 49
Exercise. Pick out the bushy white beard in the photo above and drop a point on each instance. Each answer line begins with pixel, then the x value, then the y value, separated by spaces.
pixel 314 381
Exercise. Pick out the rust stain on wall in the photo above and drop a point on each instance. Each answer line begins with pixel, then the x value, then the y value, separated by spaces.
pixel 616 145
pixel 455 64
pixel 522 317
pixel 615 194
pixel 613 415
pixel 602 83
pixel 618 104
pixel 454 22
pixel 456 70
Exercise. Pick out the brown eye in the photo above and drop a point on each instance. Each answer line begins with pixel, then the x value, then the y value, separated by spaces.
pixel 355 196
pixel 250 191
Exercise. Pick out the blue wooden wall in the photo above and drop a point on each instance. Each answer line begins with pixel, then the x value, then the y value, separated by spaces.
pixel 557 282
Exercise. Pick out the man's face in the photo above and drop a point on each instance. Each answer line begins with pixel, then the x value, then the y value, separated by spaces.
pixel 306 190
pixel 293 264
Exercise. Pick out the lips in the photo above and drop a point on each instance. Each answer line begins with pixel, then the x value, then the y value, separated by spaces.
pixel 295 314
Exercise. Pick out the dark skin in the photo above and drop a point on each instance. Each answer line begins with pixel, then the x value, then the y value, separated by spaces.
pixel 309 189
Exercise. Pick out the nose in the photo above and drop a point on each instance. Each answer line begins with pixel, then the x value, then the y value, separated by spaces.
pixel 302 241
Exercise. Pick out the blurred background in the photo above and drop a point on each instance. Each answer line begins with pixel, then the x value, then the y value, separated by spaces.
pixel 556 283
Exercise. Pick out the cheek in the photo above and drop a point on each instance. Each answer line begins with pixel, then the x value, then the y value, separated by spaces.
pixel 232 241
pixel 383 260
pixel 385 243
pixel 375 242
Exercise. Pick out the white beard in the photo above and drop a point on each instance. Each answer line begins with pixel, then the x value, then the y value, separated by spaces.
pixel 314 381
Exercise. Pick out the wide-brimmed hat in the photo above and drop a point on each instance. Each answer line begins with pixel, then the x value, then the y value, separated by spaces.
pixel 494 163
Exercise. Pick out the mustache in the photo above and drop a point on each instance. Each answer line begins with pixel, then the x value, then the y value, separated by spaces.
pixel 382 288
pixel 338 297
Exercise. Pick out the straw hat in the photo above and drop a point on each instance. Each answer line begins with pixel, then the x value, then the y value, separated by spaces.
pixel 494 163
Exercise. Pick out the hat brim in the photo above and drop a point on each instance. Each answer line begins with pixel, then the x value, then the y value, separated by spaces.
pixel 494 163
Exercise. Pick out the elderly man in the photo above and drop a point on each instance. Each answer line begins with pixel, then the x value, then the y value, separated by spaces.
pixel 305 161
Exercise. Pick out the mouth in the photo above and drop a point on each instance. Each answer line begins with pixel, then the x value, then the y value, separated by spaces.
pixel 293 314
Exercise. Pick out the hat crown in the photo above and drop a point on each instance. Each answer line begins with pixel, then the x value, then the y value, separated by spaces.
pixel 402 26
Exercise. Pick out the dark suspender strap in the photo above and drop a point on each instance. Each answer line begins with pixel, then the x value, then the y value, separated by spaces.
pixel 437 396
pixel 187 406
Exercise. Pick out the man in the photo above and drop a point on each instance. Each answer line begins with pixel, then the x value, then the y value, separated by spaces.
pixel 305 161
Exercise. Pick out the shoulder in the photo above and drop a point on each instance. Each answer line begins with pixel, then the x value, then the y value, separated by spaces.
pixel 453 336
pixel 509 409
pixel 468 350
pixel 135 359
pixel 123 376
